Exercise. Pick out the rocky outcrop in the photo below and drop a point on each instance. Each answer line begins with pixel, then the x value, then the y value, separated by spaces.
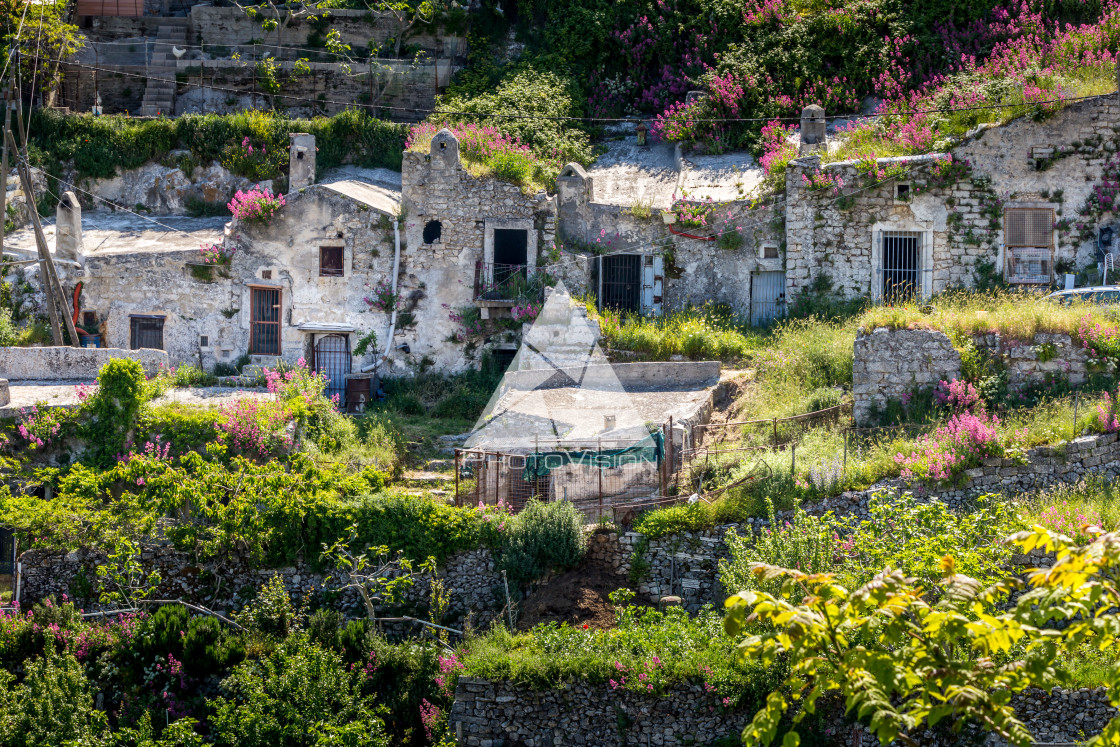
pixel 161 188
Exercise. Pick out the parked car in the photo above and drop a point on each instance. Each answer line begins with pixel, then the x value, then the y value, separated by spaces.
pixel 1098 294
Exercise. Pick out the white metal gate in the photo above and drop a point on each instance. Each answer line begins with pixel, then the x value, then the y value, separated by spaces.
pixel 768 296
pixel 653 283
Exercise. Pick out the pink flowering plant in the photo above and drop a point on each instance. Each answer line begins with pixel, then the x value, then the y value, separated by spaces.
pixel 40 426
pixel 256 205
pixel 253 161
pixel 960 444
pixel 381 297
pixel 217 254
pixel 1071 519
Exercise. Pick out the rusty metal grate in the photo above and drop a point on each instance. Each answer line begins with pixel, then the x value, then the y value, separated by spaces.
pixel 1033 227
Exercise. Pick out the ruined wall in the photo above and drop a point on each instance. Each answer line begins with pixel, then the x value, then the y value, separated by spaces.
pixel 436 187
pixel 890 365
pixel 1048 357
pixel 325 89
pixel 165 188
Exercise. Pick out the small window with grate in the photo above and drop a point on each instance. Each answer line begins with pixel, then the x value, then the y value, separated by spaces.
pixel 146 332
pixel 769 251
pixel 1029 245
pixel 330 262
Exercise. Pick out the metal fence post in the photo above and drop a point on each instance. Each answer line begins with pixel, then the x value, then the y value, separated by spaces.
pixel 792 459
pixel 1076 401
pixel 844 470
pixel 458 503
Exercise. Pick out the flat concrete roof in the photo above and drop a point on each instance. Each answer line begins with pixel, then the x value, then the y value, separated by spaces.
pixel 105 232
pixel 377 197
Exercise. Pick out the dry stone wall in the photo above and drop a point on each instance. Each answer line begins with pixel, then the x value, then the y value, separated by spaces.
pixel 890 365
pixel 686 564
pixel 473 582
pixel 501 714
pixel 62 363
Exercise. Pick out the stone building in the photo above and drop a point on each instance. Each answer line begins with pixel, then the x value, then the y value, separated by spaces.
pixel 1017 202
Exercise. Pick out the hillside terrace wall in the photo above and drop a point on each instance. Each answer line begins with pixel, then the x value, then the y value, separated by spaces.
pixel 687 564
pixel 472 581
pixel 492 713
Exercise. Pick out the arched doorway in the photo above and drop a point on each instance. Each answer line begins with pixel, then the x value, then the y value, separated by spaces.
pixel 332 359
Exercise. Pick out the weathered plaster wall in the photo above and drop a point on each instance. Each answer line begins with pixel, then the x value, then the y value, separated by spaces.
pixel 1056 163
pixel 436 187
pixel 892 364
pixel 696 270
pixel 70 363
pixel 283 254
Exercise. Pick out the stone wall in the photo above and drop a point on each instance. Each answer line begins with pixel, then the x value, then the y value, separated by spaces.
pixel 62 363
pixel 890 364
pixel 437 188
pixel 687 564
pixel 165 188
pixel 1055 164
pixel 474 585
pixel 496 713
pixel 488 713
pixel 1050 357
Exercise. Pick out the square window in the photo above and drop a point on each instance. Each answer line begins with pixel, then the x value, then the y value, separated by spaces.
pixel 266 274
pixel 89 318
pixel 146 332
pixel 902 192
pixel 330 262
pixel 769 251
pixel 204 341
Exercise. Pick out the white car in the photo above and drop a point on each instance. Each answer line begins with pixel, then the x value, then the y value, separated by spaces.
pixel 1098 294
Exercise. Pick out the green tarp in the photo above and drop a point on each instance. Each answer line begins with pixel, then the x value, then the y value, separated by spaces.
pixel 540 464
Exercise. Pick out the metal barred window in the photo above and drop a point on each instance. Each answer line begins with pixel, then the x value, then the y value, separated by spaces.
pixel 1029 245
pixel 901 262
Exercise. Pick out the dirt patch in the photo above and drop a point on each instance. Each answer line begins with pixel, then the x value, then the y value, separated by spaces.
pixel 577 597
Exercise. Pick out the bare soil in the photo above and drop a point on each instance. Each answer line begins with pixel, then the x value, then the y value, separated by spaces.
pixel 577 597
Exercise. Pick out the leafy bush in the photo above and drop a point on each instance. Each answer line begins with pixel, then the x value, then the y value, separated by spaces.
pixel 298 696
pixel 271 613
pixel 113 409
pixel 542 537
pixel 52 707
pixel 8 333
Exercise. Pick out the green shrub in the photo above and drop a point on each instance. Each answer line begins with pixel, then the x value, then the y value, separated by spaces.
pixel 52 707
pixel 8 333
pixel 209 648
pixel 542 537
pixel 462 404
pixel 687 517
pixel 824 397
pixel 271 613
pixel 186 428
pixel 406 404
pixel 298 696
pixel 112 411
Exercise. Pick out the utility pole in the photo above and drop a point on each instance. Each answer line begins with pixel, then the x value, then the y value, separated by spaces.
pixel 52 289
pixel 4 164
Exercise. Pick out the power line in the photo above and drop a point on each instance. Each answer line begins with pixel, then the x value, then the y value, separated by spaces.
pixel 588 120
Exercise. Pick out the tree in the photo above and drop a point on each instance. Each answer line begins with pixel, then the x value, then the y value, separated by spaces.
pixel 40 33
pixel 375 575
pixel 906 663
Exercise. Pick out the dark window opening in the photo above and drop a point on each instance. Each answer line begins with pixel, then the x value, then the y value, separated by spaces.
pixel 621 282
pixel 502 358
pixel 901 266
pixel 146 332
pixel 769 252
pixel 89 318
pixel 433 230
pixel 264 325
pixel 511 253
pixel 204 341
pixel 331 262
pixel 902 192
pixel 266 274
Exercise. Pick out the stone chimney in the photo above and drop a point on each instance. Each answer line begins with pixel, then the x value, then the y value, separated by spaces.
pixel 812 129
pixel 68 228
pixel 301 155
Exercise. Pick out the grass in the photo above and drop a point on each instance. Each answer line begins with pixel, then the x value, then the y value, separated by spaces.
pixel 1018 315
pixel 709 332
